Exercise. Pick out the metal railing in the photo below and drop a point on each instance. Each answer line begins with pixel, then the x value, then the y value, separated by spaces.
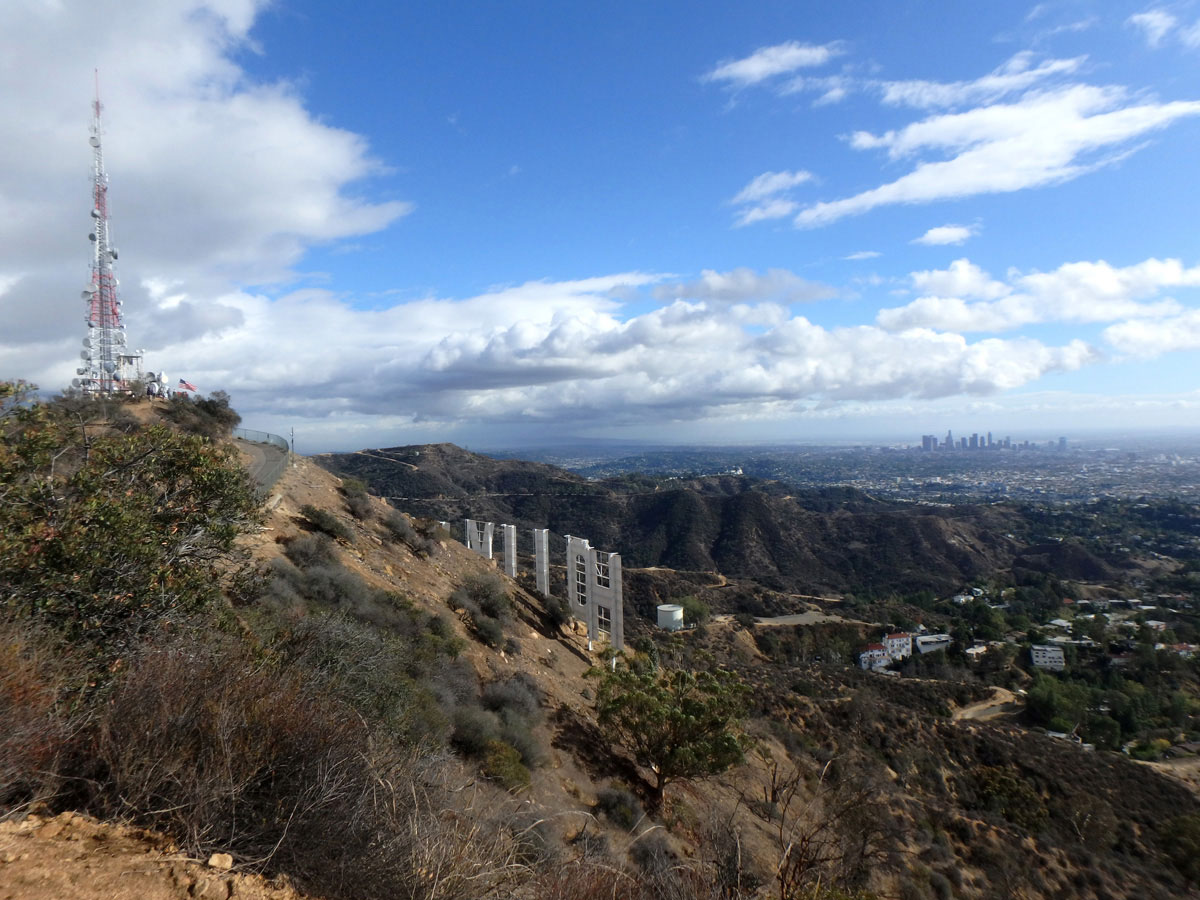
pixel 270 473
pixel 261 437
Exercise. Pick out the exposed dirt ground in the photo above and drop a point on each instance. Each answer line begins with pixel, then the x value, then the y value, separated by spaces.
pixel 73 857
pixel 1001 703
pixel 1184 769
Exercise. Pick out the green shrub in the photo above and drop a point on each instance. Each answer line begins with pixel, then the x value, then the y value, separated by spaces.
pixel 211 416
pixel 353 487
pixel 558 611
pixel 487 592
pixel 490 631
pixel 474 729
pixel 519 694
pixel 1003 791
pixel 502 764
pixel 1181 842
pixel 325 521
pixel 620 807
pixel 651 853
pixel 360 507
pixel 100 542
pixel 310 550
pixel 695 610
pixel 357 501
pixel 403 532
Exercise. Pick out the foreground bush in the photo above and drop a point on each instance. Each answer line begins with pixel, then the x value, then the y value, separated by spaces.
pixel 34 733
pixel 102 535
pixel 270 763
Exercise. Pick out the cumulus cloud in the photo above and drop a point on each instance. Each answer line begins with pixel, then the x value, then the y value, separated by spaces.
pixel 964 298
pixel 1147 338
pixel 947 234
pixel 962 279
pixel 1154 24
pixel 768 62
pixel 217 179
pixel 566 353
pixel 1043 138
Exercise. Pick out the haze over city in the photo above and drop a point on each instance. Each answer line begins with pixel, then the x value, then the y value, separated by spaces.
pixel 502 224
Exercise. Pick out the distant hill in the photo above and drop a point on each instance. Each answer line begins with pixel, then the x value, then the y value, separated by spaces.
pixel 831 539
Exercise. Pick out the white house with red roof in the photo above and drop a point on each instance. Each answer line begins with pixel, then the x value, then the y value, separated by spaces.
pixel 898 645
pixel 874 657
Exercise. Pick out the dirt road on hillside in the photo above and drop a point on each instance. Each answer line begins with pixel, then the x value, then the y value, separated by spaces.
pixel 1003 702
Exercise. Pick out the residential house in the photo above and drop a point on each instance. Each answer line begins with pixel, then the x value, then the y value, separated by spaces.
pixel 928 643
pixel 874 657
pixel 1048 656
pixel 899 645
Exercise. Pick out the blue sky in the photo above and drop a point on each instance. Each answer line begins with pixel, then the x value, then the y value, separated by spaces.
pixel 506 223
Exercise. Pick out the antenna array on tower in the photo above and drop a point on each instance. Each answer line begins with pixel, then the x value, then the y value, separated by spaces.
pixel 107 365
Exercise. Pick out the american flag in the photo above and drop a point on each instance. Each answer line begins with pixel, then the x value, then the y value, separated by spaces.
pixel 187 386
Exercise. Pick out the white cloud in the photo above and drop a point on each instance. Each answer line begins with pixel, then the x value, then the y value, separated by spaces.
pixel 963 298
pixel 217 178
pixel 947 234
pixel 564 353
pixel 767 62
pixel 1016 74
pixel 1154 24
pixel 1148 338
pixel 962 279
pixel 1042 138
pixel 771 209
pixel 862 254
pixel 769 184
pixel 760 199
pixel 832 88
pixel 747 286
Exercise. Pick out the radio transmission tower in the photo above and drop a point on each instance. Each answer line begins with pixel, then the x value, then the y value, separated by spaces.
pixel 108 366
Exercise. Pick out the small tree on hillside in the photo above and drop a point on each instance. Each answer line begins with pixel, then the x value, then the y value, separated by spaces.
pixel 679 724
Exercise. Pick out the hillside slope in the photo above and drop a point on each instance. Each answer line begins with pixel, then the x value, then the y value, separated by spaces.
pixel 801 541
pixel 356 679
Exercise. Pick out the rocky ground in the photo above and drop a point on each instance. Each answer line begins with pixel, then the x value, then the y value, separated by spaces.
pixel 73 857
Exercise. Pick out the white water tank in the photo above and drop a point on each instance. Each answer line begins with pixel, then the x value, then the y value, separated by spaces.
pixel 670 617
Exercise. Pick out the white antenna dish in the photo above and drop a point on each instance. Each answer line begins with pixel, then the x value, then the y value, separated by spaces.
pixel 94 141
pixel 75 381
pixel 95 213
pixel 87 342
pixel 81 370
pixel 83 354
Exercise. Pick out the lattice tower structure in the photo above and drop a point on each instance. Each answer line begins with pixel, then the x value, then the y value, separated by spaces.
pixel 108 367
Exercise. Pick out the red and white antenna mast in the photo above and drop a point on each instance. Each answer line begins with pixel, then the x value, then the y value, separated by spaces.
pixel 107 366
